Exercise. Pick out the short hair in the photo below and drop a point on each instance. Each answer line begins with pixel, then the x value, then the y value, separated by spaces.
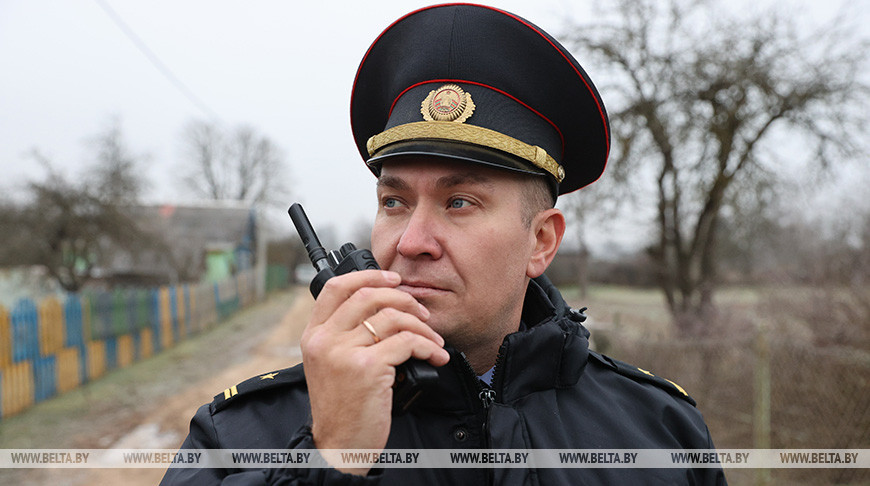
pixel 537 196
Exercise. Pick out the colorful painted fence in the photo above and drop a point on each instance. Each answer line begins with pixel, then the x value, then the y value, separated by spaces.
pixel 52 346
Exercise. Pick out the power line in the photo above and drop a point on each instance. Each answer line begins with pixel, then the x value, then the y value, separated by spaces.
pixel 155 61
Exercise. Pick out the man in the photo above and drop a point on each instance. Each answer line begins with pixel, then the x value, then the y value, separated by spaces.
pixel 473 120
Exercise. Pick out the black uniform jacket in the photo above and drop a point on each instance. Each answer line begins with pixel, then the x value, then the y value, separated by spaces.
pixel 550 392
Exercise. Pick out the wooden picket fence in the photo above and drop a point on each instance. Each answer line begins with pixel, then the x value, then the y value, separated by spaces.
pixel 55 345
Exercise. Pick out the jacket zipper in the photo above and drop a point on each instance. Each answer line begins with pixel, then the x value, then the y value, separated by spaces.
pixel 499 363
pixel 487 396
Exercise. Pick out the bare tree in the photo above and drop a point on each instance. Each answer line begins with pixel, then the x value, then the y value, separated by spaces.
pixel 243 165
pixel 204 146
pixel 65 228
pixel 696 101
pixel 592 211
pixel 69 228
pixel 116 169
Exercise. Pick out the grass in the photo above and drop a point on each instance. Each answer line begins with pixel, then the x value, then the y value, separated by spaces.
pixel 642 311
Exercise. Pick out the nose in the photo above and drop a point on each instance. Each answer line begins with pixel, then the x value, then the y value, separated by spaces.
pixel 420 236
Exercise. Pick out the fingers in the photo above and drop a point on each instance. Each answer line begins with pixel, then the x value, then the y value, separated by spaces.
pixel 397 336
pixel 404 345
pixel 390 321
pixel 368 301
pixel 354 298
pixel 347 300
pixel 338 289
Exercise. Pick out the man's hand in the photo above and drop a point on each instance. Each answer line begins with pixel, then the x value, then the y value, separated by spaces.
pixel 350 375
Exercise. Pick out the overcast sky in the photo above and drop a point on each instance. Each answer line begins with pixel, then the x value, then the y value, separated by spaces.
pixel 286 68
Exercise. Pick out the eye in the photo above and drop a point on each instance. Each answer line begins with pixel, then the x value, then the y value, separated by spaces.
pixel 459 203
pixel 391 202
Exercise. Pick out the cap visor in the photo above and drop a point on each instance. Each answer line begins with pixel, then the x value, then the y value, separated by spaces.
pixel 452 150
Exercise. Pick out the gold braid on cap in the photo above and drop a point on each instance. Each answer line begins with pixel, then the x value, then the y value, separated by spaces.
pixel 461 132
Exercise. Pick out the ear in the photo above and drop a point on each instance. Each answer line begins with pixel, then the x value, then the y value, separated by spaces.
pixel 548 228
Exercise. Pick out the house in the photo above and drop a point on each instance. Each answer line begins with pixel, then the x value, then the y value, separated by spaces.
pixel 185 243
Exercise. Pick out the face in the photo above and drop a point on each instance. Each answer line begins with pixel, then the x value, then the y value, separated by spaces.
pixel 455 233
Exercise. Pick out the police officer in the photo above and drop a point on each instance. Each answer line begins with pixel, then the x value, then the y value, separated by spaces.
pixel 474 121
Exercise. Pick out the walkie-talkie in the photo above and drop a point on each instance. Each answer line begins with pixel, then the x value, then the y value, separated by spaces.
pixel 413 375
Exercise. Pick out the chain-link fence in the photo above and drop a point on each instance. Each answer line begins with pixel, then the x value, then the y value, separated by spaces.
pixel 763 389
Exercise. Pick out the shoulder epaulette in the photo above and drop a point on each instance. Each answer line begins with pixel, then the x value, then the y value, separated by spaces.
pixel 639 374
pixel 266 381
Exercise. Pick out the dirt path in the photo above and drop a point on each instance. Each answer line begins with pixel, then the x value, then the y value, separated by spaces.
pixel 165 423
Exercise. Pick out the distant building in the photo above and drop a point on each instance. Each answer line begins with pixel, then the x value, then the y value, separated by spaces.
pixel 189 243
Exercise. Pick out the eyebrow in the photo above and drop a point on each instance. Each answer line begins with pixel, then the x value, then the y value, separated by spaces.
pixel 452 180
pixel 445 182
pixel 393 182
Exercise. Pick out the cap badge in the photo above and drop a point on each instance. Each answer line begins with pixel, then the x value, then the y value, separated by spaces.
pixel 447 103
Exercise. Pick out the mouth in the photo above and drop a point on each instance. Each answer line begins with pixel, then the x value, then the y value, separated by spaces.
pixel 421 290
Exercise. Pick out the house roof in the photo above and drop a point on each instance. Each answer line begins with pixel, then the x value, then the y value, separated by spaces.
pixel 184 233
pixel 203 225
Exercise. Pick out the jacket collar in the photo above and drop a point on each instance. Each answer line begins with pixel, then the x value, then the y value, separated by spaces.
pixel 550 352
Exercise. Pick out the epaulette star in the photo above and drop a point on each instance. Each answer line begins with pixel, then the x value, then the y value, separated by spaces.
pixel 678 387
pixel 641 374
pixel 269 381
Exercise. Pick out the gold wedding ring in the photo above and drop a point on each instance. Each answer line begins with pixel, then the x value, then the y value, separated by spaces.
pixel 371 329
